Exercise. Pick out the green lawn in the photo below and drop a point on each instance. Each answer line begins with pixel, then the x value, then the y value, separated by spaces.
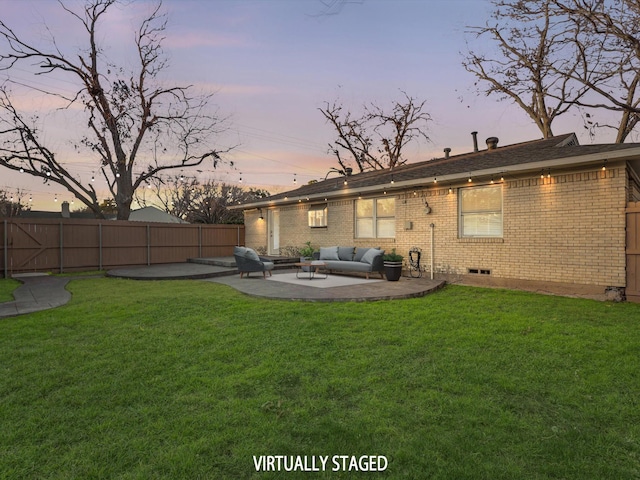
pixel 190 380
pixel 7 286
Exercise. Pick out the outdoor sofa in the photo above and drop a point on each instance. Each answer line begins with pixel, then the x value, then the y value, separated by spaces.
pixel 352 259
pixel 247 261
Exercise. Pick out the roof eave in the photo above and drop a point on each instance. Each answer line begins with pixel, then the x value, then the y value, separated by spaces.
pixel 564 162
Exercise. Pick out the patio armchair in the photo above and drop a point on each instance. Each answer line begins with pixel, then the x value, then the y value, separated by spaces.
pixel 247 261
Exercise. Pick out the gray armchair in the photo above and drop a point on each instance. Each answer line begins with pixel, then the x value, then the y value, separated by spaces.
pixel 247 261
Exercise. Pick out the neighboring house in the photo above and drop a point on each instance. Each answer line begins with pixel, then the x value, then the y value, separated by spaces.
pixel 546 214
pixel 153 214
pixel 145 214
pixel 63 213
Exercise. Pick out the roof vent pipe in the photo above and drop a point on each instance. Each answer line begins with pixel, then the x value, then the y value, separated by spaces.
pixel 447 151
pixel 475 141
pixel 492 143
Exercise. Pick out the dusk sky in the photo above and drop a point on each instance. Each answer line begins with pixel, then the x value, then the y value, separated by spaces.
pixel 273 63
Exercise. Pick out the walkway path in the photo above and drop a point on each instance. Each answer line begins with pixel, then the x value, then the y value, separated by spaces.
pixel 38 291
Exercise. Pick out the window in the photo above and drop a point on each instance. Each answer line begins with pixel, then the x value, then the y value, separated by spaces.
pixel 318 216
pixel 376 218
pixel 481 211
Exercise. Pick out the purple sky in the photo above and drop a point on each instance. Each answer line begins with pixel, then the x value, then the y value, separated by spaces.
pixel 273 63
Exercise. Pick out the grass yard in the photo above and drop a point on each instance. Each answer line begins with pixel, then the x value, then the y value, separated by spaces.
pixel 191 380
pixel 7 286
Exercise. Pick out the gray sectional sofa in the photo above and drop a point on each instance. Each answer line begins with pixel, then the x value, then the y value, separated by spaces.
pixel 352 259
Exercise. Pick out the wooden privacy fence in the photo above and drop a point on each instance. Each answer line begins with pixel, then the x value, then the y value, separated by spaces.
pixel 633 252
pixel 42 245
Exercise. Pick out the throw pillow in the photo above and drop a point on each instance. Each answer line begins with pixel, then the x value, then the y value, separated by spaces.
pixel 360 251
pixel 345 253
pixel 329 253
pixel 251 255
pixel 371 255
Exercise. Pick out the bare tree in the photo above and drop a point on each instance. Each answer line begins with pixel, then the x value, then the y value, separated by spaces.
pixel 375 139
pixel 607 45
pixel 534 63
pixel 136 127
pixel 11 204
pixel 187 198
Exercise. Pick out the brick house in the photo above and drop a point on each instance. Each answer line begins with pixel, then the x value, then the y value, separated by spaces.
pixel 546 214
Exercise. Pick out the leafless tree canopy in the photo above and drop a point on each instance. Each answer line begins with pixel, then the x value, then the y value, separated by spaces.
pixel 136 127
pixel 375 139
pixel 556 55
pixel 195 202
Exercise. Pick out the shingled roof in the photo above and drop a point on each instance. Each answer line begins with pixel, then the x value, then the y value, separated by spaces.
pixel 510 159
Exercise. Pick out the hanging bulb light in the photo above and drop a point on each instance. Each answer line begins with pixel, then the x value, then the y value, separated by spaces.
pixel 55 198
pixel 21 170
pixel 93 178
pixel 295 179
pixel 117 174
pixel 30 198
pixel 435 180
pixel 240 181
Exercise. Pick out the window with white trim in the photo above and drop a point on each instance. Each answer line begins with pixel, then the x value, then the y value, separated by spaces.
pixel 481 211
pixel 376 217
pixel 317 216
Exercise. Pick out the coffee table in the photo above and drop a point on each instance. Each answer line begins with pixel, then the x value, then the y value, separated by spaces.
pixel 312 270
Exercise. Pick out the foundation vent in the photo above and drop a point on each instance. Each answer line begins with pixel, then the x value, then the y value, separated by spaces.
pixel 479 271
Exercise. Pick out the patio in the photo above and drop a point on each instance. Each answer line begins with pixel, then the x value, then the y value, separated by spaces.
pixel 283 284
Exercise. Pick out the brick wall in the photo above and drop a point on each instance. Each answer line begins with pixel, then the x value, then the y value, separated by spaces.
pixel 569 228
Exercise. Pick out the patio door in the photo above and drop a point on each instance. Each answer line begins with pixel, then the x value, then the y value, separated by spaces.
pixel 273 227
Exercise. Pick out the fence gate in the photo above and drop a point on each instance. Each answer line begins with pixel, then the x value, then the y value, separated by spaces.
pixel 633 252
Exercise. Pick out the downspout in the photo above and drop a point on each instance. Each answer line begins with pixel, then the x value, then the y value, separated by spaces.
pixel 432 248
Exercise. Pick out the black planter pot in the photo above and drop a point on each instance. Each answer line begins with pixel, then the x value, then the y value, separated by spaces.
pixel 393 271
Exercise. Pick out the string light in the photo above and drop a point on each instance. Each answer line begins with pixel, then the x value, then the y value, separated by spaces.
pixel 450 190
pixel 604 165
pixel 295 179
pixel 435 180
pixel 392 180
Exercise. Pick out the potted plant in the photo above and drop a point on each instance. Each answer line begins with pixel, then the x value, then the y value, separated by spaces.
pixel 392 266
pixel 306 254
